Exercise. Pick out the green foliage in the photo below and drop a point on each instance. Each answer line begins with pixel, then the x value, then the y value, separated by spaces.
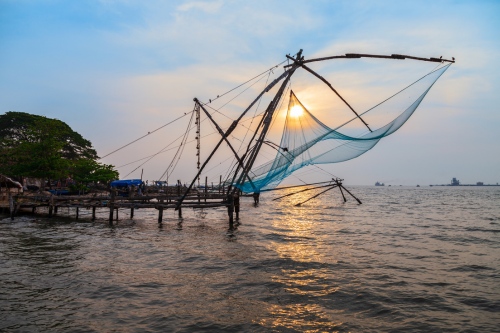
pixel 24 127
pixel 89 171
pixel 36 146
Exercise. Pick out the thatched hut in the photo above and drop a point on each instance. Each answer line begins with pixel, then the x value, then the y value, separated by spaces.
pixel 8 186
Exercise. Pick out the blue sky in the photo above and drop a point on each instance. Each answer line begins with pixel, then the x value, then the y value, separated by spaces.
pixel 114 70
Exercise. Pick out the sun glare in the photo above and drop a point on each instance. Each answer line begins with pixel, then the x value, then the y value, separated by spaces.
pixel 296 111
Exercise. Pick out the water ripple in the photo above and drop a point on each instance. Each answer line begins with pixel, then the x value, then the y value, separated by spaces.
pixel 407 260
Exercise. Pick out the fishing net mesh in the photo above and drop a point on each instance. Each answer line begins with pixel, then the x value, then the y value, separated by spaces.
pixel 306 140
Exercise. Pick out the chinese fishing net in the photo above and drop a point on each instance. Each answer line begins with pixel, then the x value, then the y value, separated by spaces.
pixel 307 141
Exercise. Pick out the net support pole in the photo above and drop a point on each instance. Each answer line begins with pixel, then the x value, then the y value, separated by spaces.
pixel 230 129
pixel 317 195
pixel 301 63
pixel 339 184
pixel 267 118
pixel 224 136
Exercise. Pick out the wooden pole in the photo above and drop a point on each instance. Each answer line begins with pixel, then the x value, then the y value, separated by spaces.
pixel 266 123
pixel 232 127
pixel 11 206
pixel 304 190
pixel 111 206
pixel 328 189
pixel 131 213
pixel 77 212
pixel 237 205
pixel 341 192
pixel 93 213
pixel 160 214
pixel 51 205
pixel 352 195
pixel 230 210
pixel 206 188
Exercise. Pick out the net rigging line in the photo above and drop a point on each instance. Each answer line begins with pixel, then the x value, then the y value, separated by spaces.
pixel 142 137
pixel 180 150
pixel 190 122
pixel 163 150
pixel 242 84
pixel 249 126
pixel 185 114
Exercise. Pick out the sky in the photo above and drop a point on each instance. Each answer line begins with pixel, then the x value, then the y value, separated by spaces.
pixel 115 70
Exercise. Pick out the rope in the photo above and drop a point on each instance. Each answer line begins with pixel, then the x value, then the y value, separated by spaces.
pixel 185 114
pixel 142 137
pixel 227 92
pixel 180 149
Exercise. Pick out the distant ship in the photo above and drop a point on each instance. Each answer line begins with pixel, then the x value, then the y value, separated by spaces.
pixel 379 184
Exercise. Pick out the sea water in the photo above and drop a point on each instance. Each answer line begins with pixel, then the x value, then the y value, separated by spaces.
pixel 406 260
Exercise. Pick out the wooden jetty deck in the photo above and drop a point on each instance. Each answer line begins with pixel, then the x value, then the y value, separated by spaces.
pixel 113 202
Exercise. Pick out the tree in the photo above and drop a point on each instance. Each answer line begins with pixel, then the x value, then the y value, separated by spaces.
pixel 40 147
pixel 21 127
pixel 89 171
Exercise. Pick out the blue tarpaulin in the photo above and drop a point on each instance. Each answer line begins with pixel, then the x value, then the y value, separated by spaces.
pixel 126 182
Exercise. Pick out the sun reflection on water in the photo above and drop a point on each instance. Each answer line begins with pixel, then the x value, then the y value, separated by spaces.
pixel 304 276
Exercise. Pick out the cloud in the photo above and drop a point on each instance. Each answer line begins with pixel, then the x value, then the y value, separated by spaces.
pixel 207 7
pixel 136 64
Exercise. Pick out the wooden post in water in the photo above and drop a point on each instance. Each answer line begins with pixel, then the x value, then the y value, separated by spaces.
pixel 55 209
pixel 93 213
pixel 160 214
pixel 11 206
pixel 206 188
pixel 160 211
pixel 51 205
pixel 77 212
pixel 220 183
pixel 111 206
pixel 179 184
pixel 237 204
pixel 230 209
pixel 131 194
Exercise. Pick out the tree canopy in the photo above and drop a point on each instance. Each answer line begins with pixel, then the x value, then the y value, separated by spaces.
pixel 40 147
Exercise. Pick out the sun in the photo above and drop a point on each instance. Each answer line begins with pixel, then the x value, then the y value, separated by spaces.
pixel 296 111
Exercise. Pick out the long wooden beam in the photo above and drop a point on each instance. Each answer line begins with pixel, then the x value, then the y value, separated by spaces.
pixel 266 123
pixel 379 56
pixel 301 191
pixel 221 132
pixel 335 91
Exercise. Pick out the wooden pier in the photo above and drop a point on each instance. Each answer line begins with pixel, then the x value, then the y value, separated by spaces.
pixel 112 202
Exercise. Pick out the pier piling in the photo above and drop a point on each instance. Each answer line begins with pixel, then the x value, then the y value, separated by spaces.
pixel 160 214
pixel 11 206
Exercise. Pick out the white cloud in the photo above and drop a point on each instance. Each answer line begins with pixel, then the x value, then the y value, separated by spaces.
pixel 205 6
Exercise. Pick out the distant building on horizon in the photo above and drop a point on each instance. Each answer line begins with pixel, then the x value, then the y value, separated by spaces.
pixel 455 182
